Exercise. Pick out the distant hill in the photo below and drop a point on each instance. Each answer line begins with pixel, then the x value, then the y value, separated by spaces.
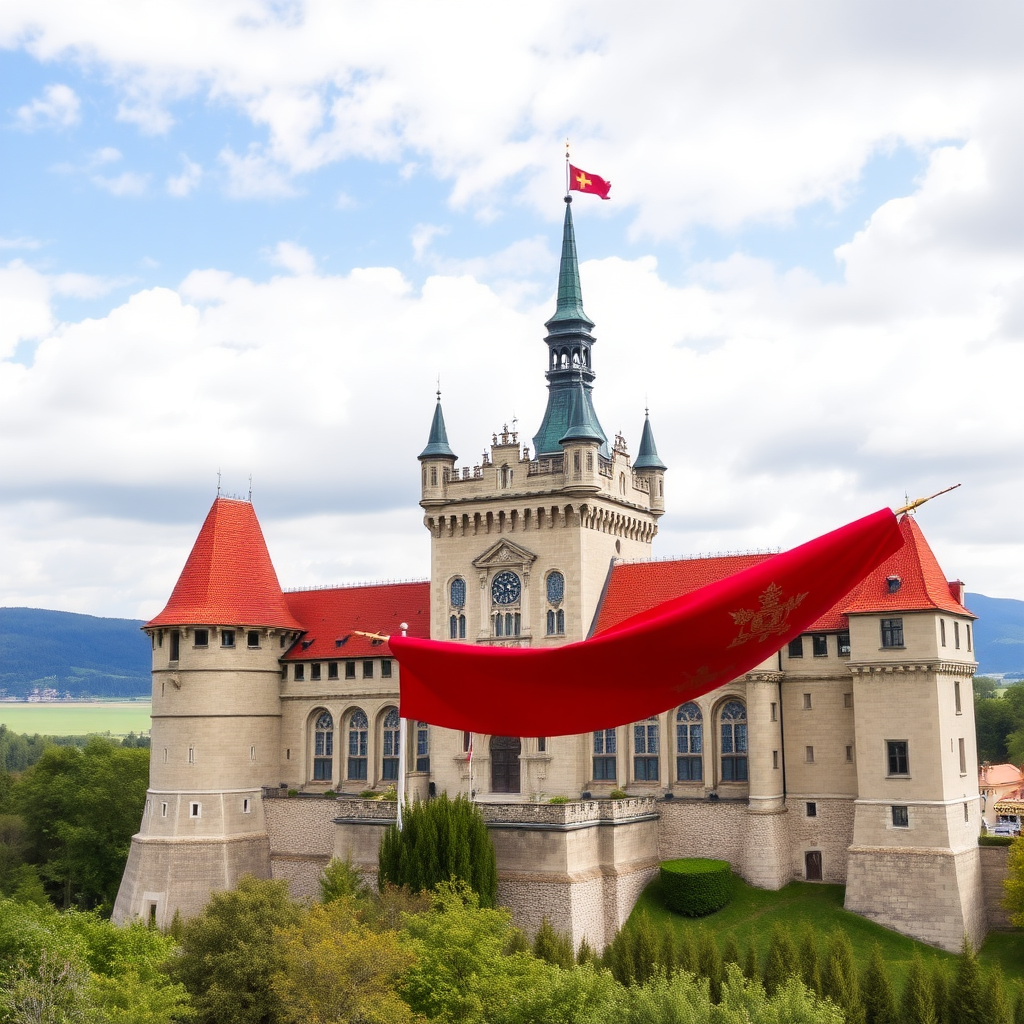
pixel 999 635
pixel 81 654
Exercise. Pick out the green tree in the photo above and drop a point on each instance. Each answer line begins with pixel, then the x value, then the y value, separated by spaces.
pixel 553 947
pixel 731 953
pixel 1013 885
pixel 968 1001
pixel 999 1011
pixel 810 966
pixel 81 809
pixel 916 1005
pixel 441 840
pixel 839 979
pixel 709 962
pixel 1018 1007
pixel 668 953
pixel 940 992
pixel 994 720
pixel 751 968
pixel 985 687
pixel 877 993
pixel 644 947
pixel 340 879
pixel 686 952
pixel 781 962
pixel 228 955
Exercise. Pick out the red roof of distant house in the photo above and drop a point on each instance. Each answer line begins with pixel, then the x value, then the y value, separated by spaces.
pixel 636 586
pixel 999 775
pixel 330 616
pixel 228 578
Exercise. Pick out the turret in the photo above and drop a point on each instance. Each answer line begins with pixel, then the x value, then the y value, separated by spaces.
pixel 649 467
pixel 581 443
pixel 569 341
pixel 437 459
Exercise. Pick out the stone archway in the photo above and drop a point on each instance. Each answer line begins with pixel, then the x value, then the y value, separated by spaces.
pixel 505 752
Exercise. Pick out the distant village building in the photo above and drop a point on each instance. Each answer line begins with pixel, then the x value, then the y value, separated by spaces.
pixel 849 756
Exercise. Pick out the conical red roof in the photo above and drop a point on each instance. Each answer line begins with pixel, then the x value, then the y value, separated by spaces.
pixel 229 578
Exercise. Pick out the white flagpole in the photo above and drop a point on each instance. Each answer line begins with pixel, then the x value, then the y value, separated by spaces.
pixel 402 738
pixel 471 792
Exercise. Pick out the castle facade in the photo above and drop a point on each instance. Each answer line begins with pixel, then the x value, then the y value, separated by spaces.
pixel 848 756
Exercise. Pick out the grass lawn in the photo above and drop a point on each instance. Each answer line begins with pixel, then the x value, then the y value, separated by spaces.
pixel 752 913
pixel 76 719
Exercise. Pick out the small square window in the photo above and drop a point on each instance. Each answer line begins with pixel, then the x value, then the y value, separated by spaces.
pixel 350 670
pixel 812 809
pixel 195 810
pixel 900 817
pixel 847 700
pixel 807 702
pixel 367 669
pixel 300 673
pixel 314 671
pixel 252 638
pixel 332 670
pixel 796 647
pixel 843 643
pixel 819 644
pixel 227 638
pixel 809 754
pixel 202 638
pixel 385 668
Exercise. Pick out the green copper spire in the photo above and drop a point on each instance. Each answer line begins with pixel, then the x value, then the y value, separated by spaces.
pixel 583 425
pixel 569 342
pixel 437 444
pixel 647 457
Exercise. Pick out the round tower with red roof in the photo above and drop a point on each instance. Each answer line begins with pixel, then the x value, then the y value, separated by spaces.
pixel 216 725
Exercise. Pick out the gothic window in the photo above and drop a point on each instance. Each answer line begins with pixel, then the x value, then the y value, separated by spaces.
pixel 590 462
pixel 734 742
pixel 457 592
pixel 556 587
pixel 604 755
pixel 422 747
pixel 462 627
pixel 453 627
pixel 358 727
pixel 433 476
pixel 323 747
pixel 689 743
pixel 645 750
pixel 389 762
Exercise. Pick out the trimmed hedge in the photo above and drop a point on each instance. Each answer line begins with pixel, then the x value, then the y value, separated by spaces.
pixel 696 886
pixel 995 840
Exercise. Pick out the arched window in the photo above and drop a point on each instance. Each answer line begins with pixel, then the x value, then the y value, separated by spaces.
pixel 457 592
pixel 645 750
pixel 389 761
pixel 453 627
pixel 604 755
pixel 551 622
pixel 422 747
pixel 462 627
pixel 358 726
pixel 507 624
pixel 689 743
pixel 734 742
pixel 555 587
pixel 560 621
pixel 499 624
pixel 323 747
pixel 622 483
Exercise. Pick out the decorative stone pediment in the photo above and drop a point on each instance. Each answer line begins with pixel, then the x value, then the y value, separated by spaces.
pixel 505 553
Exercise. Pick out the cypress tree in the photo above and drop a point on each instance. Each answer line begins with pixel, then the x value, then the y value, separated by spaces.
pixel 668 957
pixel 810 968
pixel 781 962
pixel 554 947
pixel 709 962
pixel 839 979
pixel 916 1005
pixel 751 968
pixel 585 954
pixel 686 953
pixel 968 1003
pixel 877 993
pixel 620 957
pixel 940 992
pixel 644 948
pixel 999 1004
pixel 731 953
pixel 1018 1007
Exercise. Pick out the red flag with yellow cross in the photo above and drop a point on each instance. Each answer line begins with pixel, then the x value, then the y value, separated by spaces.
pixel 582 181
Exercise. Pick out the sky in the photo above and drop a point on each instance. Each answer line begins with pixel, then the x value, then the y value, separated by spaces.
pixel 245 239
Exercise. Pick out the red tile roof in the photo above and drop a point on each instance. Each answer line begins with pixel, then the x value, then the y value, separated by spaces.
pixel 228 578
pixel 331 615
pixel 635 587
pixel 999 775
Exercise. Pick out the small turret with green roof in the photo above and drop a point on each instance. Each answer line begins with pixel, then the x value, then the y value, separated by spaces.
pixel 648 466
pixel 437 459
pixel 437 443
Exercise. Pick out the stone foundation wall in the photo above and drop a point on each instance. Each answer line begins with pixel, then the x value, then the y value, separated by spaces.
pixel 302 841
pixel 993 874
pixel 830 831
pixel 703 828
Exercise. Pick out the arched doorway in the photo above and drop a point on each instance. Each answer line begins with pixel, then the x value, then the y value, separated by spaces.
pixel 505 764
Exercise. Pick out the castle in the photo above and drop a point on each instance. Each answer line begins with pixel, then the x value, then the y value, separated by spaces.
pixel 848 756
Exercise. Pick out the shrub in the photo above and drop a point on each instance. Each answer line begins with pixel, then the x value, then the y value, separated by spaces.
pixel 330 794
pixel 995 840
pixel 696 886
pixel 559 800
pixel 368 794
pixel 293 792
pixel 617 794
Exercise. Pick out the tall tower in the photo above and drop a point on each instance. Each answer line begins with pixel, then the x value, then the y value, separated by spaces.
pixel 215 736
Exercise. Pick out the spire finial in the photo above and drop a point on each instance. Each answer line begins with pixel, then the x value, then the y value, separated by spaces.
pixel 439 387
pixel 218 481
pixel 250 488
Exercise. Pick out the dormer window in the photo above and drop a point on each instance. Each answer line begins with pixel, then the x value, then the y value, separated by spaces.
pixel 893 583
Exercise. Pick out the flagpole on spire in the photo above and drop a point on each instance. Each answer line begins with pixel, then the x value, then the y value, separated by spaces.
pixel 567 179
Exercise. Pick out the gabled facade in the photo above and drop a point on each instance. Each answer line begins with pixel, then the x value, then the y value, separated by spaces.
pixel 846 757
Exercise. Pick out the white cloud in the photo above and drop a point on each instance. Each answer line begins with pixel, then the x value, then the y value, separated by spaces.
pixel 293 258
pixel 128 183
pixel 254 176
pixel 423 236
pixel 58 107
pixel 22 242
pixel 103 156
pixel 182 185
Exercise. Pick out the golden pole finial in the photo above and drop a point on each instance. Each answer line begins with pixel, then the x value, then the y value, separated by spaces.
pixel 911 505
pixel 372 636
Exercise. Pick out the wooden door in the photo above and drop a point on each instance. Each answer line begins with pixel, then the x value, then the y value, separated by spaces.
pixel 505 764
pixel 812 864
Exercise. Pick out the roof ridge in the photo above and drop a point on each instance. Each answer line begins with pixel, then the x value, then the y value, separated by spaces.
pixel 356 585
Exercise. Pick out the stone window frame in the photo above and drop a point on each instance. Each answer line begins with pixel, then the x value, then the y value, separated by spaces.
pixel 689 733
pixel 897 759
pixel 605 755
pixel 390 743
pixel 357 732
pixel 899 815
pixel 323 729
pixel 734 748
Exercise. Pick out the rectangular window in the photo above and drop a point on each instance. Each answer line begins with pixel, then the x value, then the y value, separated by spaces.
pixel 689 769
pixel 202 637
pixel 542 744
pixel 165 755
pixel 967 812
pixel 604 769
pixel 847 700
pixel 314 671
pixel 956 696
pixel 332 670
pixel 288 754
pixel 775 712
pixel 191 755
pixel 227 638
pixel 252 638
pixel 812 809
pixel 969 647
pixel 796 647
pixel 467 742
pixel 385 666
pixel 843 643
pixel 819 644
pixel 645 738
pixel 963 756
pixel 899 761
pixel 163 810
pixel 809 755
pixel 367 669
pixel 900 817
pixel 300 673
pixel 849 752
pixel 350 670
pixel 645 769
pixel 775 759
pixel 175 644
pixel 942 632
pixel 956 635
pixel 245 806
pixel 807 702
pixel 195 810
pixel 422 747
pixel 892 632
pixel 252 753
pixel 357 769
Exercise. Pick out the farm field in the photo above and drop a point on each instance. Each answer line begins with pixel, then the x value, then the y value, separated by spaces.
pixel 77 718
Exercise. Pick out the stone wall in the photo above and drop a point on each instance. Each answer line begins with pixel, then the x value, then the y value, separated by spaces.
pixel 703 828
pixel 829 831
pixel 993 874
pixel 302 838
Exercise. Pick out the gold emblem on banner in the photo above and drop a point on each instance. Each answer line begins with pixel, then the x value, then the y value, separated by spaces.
pixel 771 619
